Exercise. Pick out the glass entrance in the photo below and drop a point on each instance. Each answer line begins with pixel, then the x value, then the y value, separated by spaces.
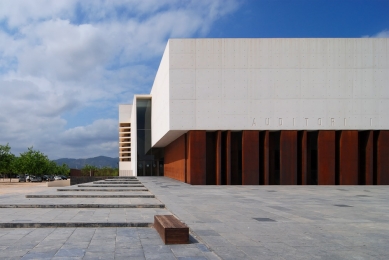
pixel 150 160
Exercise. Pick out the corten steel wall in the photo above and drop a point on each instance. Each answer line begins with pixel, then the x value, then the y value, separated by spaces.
pixel 174 165
pixel 287 157
pixel 326 158
pixel 366 157
pixel 196 157
pixel 383 158
pixel 348 161
pixel 250 158
pixel 75 172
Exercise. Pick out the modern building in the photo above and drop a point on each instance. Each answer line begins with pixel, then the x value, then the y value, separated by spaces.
pixel 264 111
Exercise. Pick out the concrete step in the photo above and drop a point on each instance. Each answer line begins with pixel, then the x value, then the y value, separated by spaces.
pixel 101 189
pixel 138 206
pixel 92 196
pixel 123 177
pixel 116 182
pixel 110 185
pixel 74 224
pixel 134 179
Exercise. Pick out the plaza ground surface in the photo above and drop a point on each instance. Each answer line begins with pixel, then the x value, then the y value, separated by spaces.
pixel 15 187
pixel 227 222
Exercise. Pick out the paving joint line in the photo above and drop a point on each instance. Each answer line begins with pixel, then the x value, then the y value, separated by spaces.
pixel 82 206
pixel 74 224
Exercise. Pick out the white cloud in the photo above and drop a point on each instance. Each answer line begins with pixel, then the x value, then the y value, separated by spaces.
pixel 382 34
pixel 102 129
pixel 65 56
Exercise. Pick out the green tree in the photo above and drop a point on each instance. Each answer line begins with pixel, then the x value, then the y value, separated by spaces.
pixel 6 159
pixel 63 170
pixel 15 166
pixel 34 162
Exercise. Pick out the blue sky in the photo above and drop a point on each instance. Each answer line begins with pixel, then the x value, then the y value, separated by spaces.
pixel 305 18
pixel 65 65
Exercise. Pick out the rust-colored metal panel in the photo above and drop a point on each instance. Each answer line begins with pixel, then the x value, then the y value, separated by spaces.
pixel 218 158
pixel 174 164
pixel 187 165
pixel 250 157
pixel 348 160
pixel 266 159
pixel 304 158
pixel 369 159
pixel 326 157
pixel 288 157
pixel 228 157
pixel 383 158
pixel 196 162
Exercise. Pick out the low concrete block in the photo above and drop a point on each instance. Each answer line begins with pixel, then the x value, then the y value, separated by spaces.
pixel 59 183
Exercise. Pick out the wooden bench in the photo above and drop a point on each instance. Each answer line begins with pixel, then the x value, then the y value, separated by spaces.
pixel 171 230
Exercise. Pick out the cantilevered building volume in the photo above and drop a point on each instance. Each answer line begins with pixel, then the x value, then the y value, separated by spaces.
pixel 263 111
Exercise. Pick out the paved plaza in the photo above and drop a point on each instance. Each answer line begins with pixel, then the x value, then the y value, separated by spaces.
pixel 226 222
pixel 282 222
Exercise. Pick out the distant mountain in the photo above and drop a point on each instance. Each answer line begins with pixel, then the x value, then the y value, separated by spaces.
pixel 99 161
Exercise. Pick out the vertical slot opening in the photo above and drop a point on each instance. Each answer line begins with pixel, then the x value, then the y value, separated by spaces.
pixel 337 156
pixel 362 142
pixel 239 134
pixel 236 158
pixel 211 158
pixel 262 157
pixel 375 153
pixel 224 157
pixel 299 157
pixel 312 157
pixel 274 154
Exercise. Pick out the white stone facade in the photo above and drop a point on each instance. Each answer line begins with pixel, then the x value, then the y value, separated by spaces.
pixel 270 84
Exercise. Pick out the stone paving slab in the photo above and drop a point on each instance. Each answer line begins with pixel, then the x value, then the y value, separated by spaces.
pixel 282 222
pixel 87 233
pixel 94 243
pixel 80 215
